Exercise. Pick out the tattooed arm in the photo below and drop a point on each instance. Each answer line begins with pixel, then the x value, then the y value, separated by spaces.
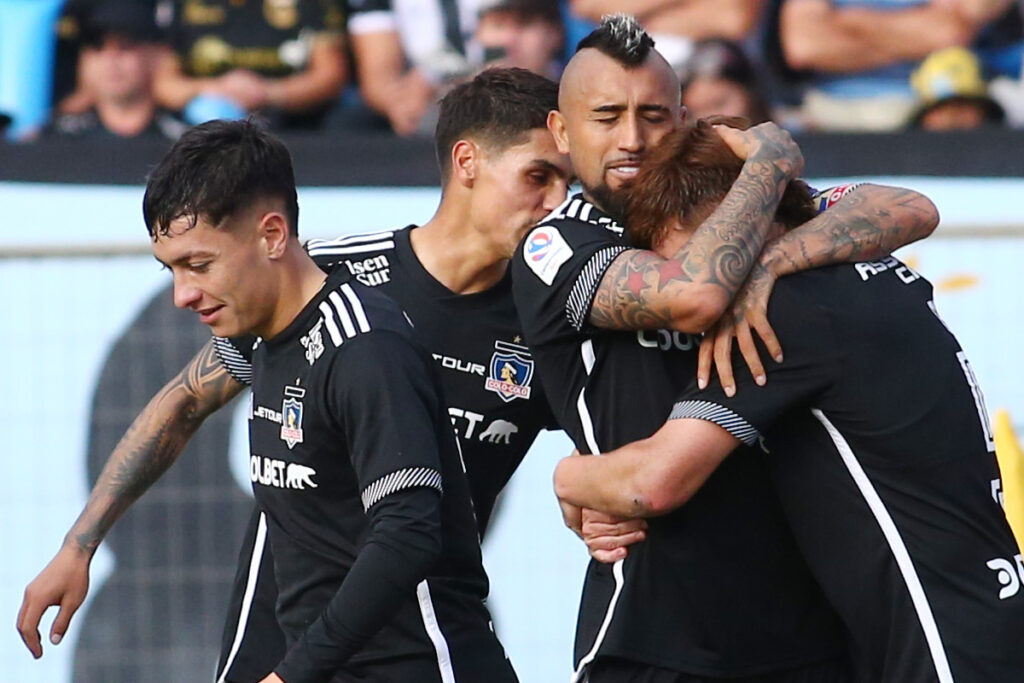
pixel 870 222
pixel 641 290
pixel 153 442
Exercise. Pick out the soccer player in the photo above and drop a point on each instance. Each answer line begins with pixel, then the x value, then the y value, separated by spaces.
pixel 379 575
pixel 717 591
pixel 502 173
pixel 875 432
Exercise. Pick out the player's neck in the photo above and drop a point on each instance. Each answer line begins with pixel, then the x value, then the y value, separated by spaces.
pixel 300 279
pixel 455 254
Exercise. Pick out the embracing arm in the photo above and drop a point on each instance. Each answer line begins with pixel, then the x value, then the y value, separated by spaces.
pixel 871 221
pixel 153 442
pixel 649 477
pixel 641 290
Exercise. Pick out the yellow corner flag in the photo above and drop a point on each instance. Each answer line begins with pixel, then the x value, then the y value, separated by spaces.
pixel 1011 471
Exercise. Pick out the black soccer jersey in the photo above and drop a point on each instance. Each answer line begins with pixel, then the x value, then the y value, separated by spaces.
pixel 717 589
pixel 878 440
pixel 495 403
pixel 349 434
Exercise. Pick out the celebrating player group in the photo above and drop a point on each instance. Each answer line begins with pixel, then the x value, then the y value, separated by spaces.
pixel 816 510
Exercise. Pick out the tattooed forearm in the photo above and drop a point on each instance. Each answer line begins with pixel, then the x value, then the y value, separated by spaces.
pixel 153 442
pixel 870 222
pixel 641 290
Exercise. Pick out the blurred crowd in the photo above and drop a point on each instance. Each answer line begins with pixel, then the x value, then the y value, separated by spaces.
pixel 129 68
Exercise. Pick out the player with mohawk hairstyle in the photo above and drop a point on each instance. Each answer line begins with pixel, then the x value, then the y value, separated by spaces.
pixel 717 591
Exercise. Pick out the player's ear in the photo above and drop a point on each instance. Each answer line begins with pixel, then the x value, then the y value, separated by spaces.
pixel 556 124
pixel 465 162
pixel 274 233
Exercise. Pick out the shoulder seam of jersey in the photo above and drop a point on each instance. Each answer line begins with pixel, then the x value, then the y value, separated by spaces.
pixel 352 244
pixel 233 361
pixel 583 290
pixel 343 315
pixel 719 415
pixel 399 480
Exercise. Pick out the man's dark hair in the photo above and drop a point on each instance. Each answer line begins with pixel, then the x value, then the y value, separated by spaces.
pixel 694 167
pixel 216 169
pixel 498 108
pixel 621 37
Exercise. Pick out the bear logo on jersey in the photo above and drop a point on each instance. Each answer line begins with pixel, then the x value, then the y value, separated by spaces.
pixel 511 370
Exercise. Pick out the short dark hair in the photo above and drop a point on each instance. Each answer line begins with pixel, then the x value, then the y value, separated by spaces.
pixel 215 169
pixel 499 108
pixel 692 167
pixel 621 37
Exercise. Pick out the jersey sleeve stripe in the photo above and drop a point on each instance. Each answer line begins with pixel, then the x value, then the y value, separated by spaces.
pixel 720 415
pixel 332 326
pixel 411 477
pixel 578 305
pixel 233 360
pixel 357 307
pixel 346 319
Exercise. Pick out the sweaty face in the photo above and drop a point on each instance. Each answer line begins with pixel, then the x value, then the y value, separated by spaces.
pixel 610 116
pixel 516 187
pixel 219 272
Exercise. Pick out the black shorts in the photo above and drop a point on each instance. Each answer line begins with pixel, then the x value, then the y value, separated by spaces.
pixel 421 670
pixel 614 670
pixel 252 643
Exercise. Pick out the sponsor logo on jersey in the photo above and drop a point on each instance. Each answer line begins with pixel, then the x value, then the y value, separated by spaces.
pixel 371 271
pixel 1009 574
pixel 545 251
pixel 499 431
pixel 666 340
pixel 291 416
pixel 313 341
pixel 452 363
pixel 511 370
pixel 280 474
pixel 472 420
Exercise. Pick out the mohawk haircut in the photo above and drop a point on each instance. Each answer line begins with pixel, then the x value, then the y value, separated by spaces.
pixel 216 169
pixel 499 108
pixel 692 168
pixel 621 37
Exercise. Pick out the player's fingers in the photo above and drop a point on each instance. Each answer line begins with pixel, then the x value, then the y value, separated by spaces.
pixel 602 529
pixel 28 623
pixel 704 357
pixel 612 542
pixel 723 362
pixel 609 556
pixel 767 334
pixel 60 624
pixel 749 352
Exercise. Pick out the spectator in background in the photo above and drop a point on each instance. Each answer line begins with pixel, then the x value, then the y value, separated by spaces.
pixel 676 25
pixel 281 58
pixel 861 53
pixel 120 46
pixel 522 33
pixel 408 53
pixel 952 93
pixel 719 79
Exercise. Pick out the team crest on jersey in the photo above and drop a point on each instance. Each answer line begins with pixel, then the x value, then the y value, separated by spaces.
pixel 511 370
pixel 291 416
